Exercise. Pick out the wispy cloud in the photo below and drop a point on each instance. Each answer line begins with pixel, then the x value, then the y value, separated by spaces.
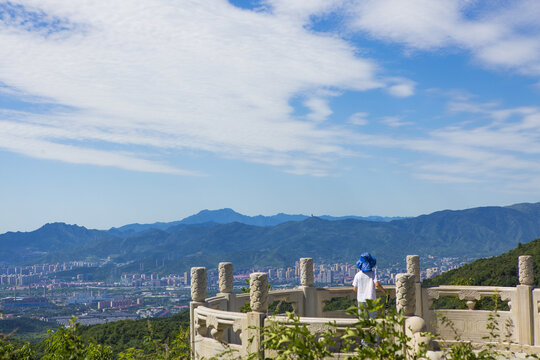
pixel 400 87
pixel 193 76
pixel 394 121
pixel 497 145
pixel 359 118
pixel 491 31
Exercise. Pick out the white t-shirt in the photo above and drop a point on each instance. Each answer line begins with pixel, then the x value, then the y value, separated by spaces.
pixel 365 282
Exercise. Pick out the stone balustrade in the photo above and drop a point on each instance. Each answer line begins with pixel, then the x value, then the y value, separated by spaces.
pixel 218 325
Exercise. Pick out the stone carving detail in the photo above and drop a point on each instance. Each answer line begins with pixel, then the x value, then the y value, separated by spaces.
pixel 306 271
pixel 216 333
pixel 506 295
pixel 225 277
pixel 258 294
pixel 212 321
pixel 433 294
pixel 200 329
pixel 405 296
pixel 200 326
pixel 470 304
pixel 469 295
pixel 320 328
pixel 237 325
pixel 413 266
pixel 526 271
pixel 198 284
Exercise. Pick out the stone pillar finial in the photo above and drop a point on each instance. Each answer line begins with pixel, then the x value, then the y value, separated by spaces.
pixel 306 272
pixel 225 277
pixel 526 270
pixel 405 294
pixel 258 292
pixel 198 284
pixel 413 266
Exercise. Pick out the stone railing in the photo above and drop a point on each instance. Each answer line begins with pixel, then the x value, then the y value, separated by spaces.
pixel 219 327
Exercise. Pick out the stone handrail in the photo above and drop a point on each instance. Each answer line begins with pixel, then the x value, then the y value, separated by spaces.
pixel 218 331
pixel 469 324
pixel 317 324
pixel 218 326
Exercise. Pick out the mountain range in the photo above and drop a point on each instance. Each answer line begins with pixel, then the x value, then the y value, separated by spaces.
pixel 476 232
pixel 226 216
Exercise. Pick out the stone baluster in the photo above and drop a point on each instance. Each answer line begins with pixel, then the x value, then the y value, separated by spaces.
pixel 198 296
pixel 414 326
pixel 310 305
pixel 405 294
pixel 413 267
pixel 225 277
pixel 524 300
pixel 258 296
pixel 258 293
pixel 226 285
pixel 306 272
pixel 198 284
pixel 526 270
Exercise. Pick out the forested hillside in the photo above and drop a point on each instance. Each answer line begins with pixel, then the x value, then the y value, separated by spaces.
pixel 499 270
pixel 119 335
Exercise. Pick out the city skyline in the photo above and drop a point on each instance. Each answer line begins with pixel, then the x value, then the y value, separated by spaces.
pixel 117 113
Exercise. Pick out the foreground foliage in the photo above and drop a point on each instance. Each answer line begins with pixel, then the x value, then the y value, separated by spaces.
pixel 370 337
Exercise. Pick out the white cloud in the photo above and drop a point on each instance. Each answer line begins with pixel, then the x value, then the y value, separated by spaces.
pixel 359 118
pixel 400 87
pixel 497 34
pixel 319 108
pixel 196 76
pixel 394 121
pixel 16 138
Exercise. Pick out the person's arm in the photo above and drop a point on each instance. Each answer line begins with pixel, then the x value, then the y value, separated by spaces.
pixel 380 287
pixel 355 289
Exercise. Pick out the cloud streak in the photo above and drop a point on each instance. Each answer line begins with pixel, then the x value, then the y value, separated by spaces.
pixel 491 31
pixel 197 76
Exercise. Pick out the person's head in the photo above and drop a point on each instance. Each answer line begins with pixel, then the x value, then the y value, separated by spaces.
pixel 366 262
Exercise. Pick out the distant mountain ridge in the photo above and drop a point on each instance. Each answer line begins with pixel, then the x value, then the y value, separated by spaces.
pixel 227 215
pixel 20 246
pixel 476 232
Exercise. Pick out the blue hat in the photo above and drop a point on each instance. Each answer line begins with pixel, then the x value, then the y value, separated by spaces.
pixel 366 262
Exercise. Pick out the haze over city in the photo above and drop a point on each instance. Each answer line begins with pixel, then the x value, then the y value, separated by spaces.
pixel 116 112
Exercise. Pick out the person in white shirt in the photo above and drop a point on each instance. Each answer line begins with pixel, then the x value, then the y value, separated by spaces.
pixel 365 281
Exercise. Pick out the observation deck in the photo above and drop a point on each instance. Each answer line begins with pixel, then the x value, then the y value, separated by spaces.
pixel 218 327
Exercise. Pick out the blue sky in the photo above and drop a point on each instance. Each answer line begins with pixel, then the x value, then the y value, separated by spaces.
pixel 121 112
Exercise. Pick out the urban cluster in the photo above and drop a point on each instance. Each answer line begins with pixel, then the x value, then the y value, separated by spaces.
pixel 33 274
pixel 40 290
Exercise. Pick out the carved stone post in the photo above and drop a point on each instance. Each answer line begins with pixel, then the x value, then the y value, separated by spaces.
pixel 413 267
pixel 306 272
pixel 198 284
pixel 526 270
pixel 405 294
pixel 406 302
pixel 225 277
pixel 524 300
pixel 258 292
pixel 198 295
pixel 226 285
pixel 311 306
pixel 258 296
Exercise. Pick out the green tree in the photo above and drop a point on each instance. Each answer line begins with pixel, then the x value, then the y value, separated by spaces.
pixel 68 344
pixel 10 351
